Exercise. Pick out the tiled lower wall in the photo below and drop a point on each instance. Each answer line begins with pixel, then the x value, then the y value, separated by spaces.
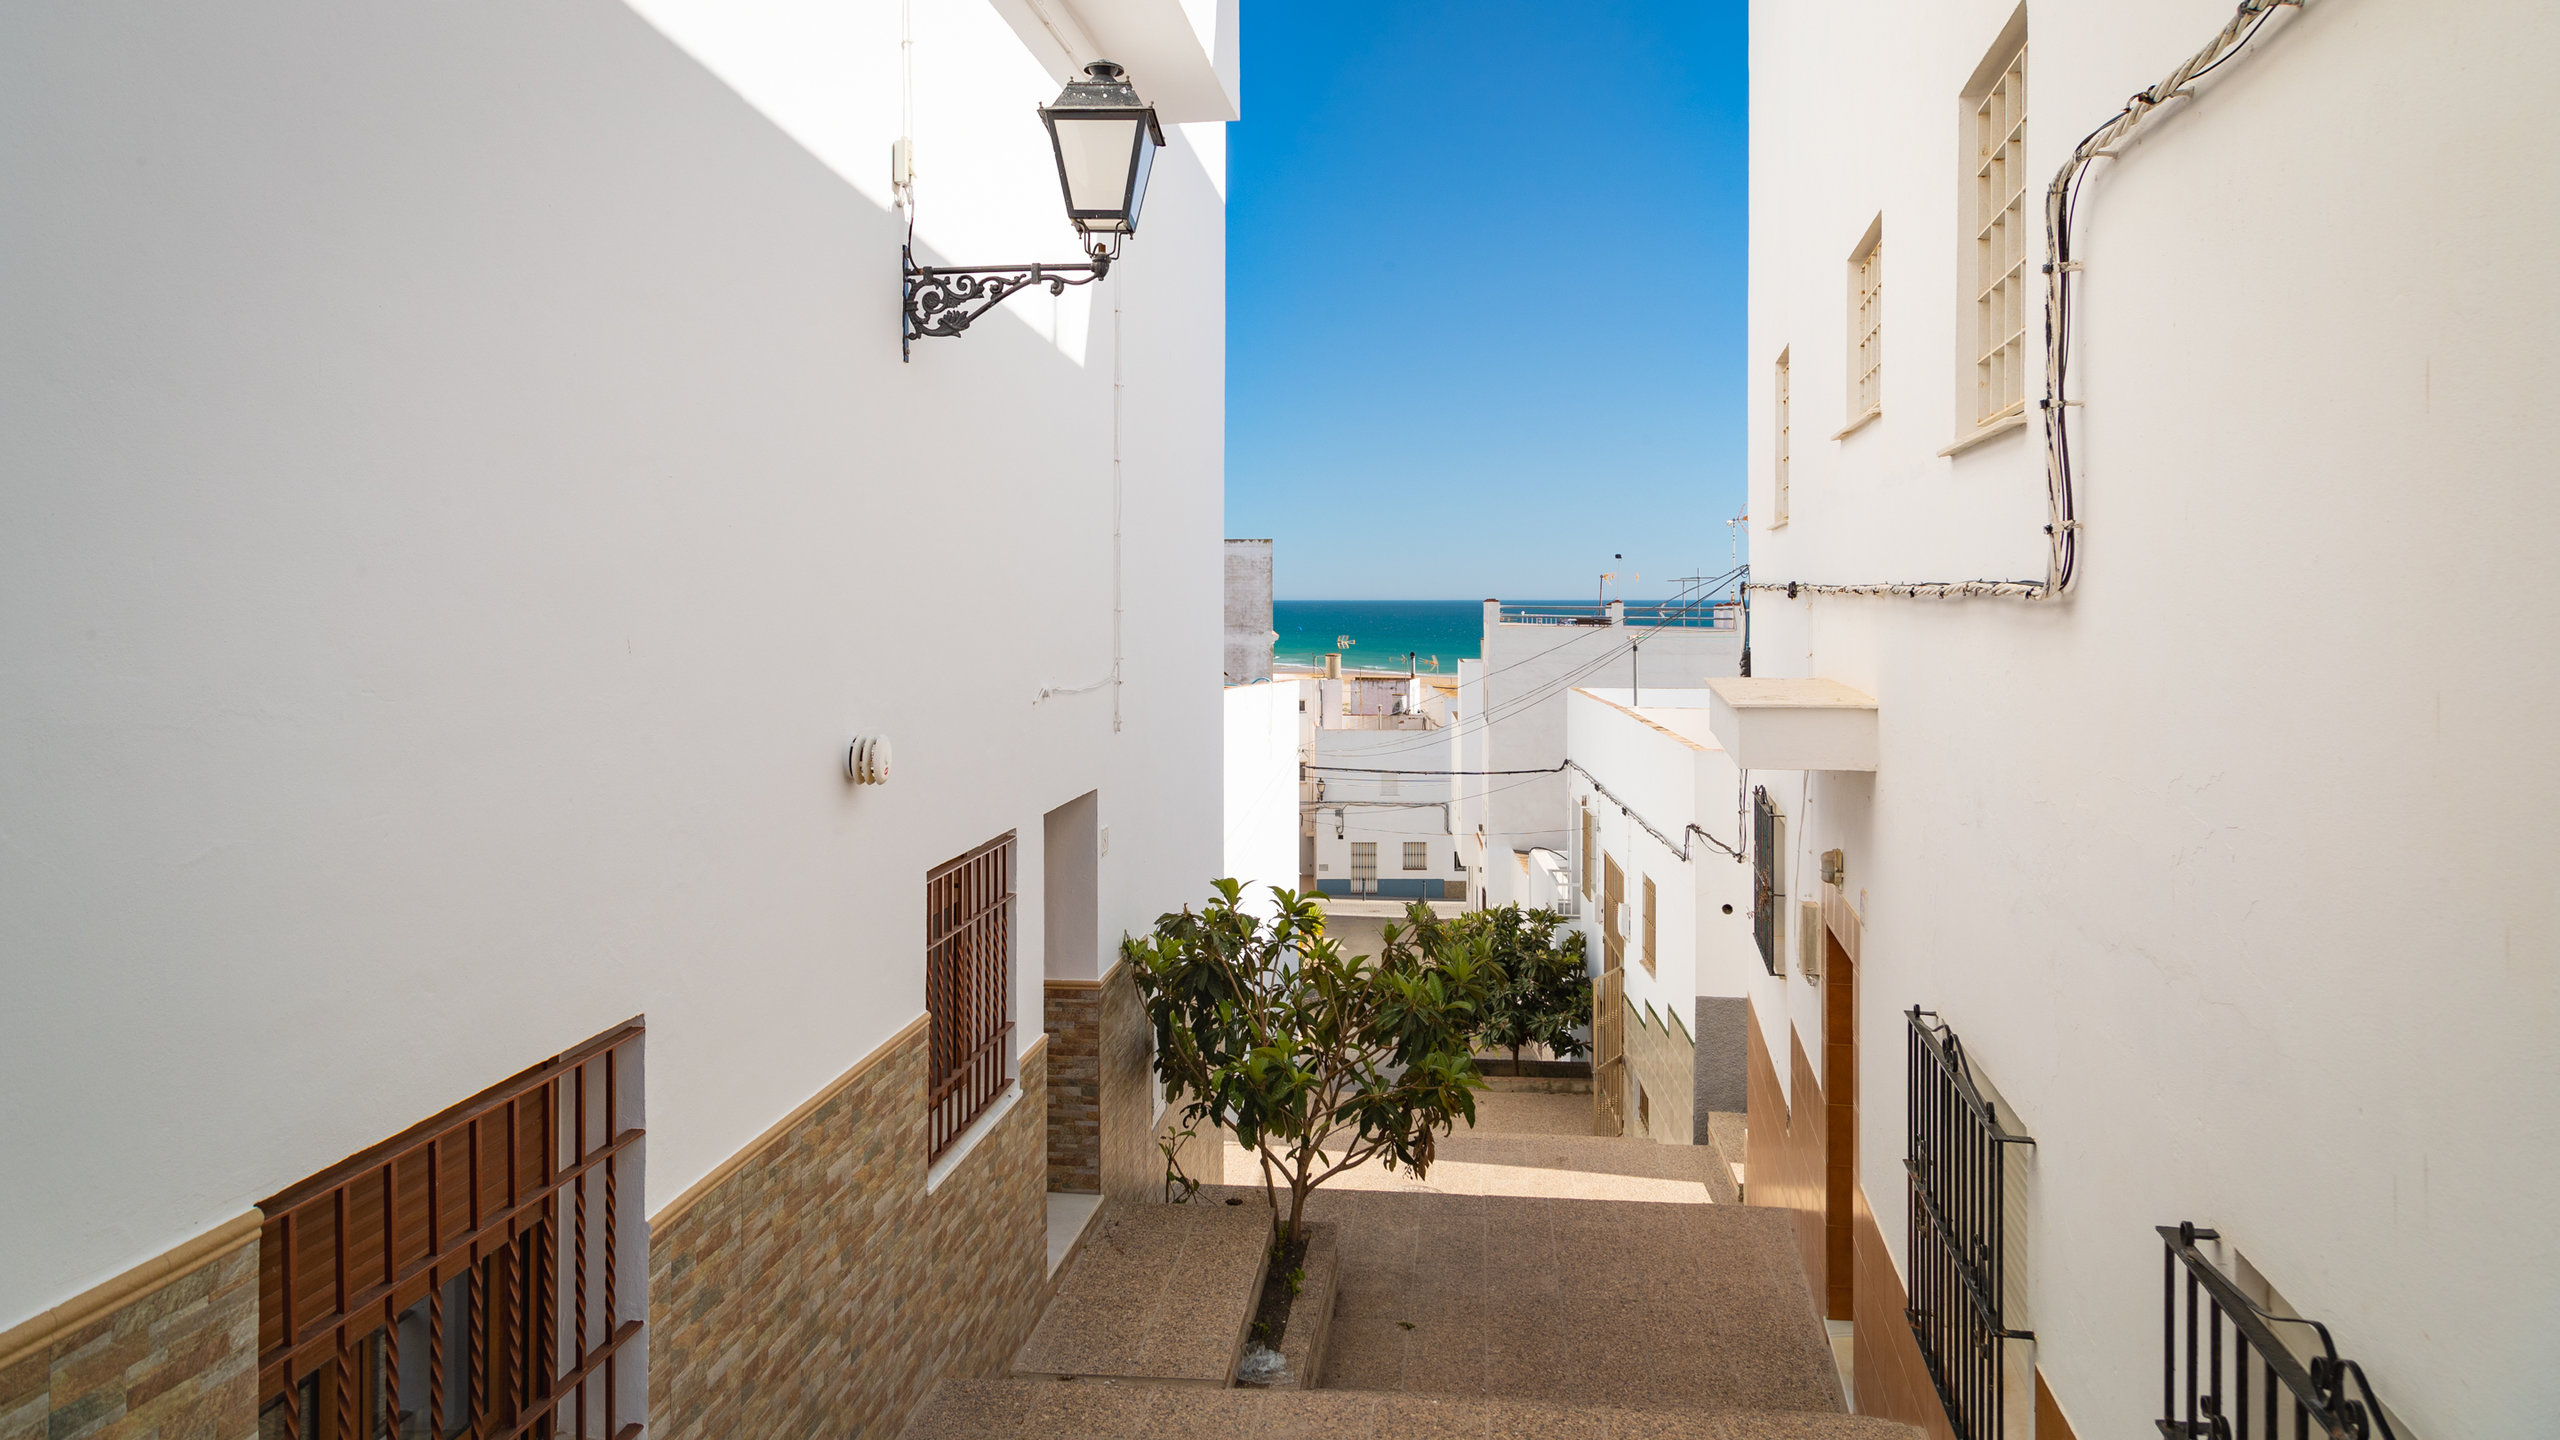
pixel 1892 1380
pixel 1071 1013
pixel 1786 1149
pixel 817 1289
pixel 1102 1093
pixel 1661 1055
pixel 172 1357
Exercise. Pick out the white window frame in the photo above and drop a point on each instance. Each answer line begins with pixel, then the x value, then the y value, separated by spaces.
pixel 1997 240
pixel 1866 328
pixel 1780 442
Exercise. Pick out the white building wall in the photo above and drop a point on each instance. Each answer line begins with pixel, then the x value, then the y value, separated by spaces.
pixel 1355 805
pixel 1528 668
pixel 1261 789
pixel 461 495
pixel 2233 869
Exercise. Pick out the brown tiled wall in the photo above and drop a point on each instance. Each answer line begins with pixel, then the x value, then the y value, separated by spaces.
pixel 1892 1380
pixel 1132 1167
pixel 1786 1149
pixel 2050 1424
pixel 1666 1061
pixel 816 1289
pixel 176 1360
pixel 1071 1013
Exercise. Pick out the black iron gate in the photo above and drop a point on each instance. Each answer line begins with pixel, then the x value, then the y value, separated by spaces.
pixel 1958 1164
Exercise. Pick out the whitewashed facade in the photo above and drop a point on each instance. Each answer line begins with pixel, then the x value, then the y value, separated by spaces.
pixel 460 495
pixel 2231 865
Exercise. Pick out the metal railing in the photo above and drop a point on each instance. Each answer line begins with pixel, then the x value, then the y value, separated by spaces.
pixel 1722 616
pixel 1958 1166
pixel 1764 877
pixel 2202 1399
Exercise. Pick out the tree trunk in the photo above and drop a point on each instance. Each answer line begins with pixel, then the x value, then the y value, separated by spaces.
pixel 1515 1062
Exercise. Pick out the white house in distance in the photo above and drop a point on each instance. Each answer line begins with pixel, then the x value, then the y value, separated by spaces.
pixel 461 501
pixel 2188 771
pixel 1512 709
pixel 1665 909
pixel 1379 800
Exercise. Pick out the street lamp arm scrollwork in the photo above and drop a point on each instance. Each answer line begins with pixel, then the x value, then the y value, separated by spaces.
pixel 943 300
pixel 1104 139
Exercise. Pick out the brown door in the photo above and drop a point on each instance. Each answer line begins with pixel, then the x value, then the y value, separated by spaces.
pixel 1840 1120
pixel 1608 1052
pixel 1613 899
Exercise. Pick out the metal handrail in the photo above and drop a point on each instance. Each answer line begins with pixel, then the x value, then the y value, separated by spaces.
pixel 2319 1389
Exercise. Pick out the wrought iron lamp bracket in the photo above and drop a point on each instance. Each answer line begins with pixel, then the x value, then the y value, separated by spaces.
pixel 948 299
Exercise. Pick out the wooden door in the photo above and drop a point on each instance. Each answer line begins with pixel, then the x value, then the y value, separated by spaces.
pixel 1608 1052
pixel 1613 900
pixel 1840 1121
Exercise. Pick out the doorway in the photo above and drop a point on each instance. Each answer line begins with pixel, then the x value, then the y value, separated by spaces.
pixel 1840 1122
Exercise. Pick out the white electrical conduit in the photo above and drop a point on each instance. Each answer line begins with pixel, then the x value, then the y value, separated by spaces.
pixel 2062 524
pixel 1111 679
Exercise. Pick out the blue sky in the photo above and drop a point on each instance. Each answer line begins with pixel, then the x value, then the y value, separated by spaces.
pixel 1485 294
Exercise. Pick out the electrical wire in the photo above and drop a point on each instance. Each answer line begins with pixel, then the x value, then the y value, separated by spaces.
pixel 2062 201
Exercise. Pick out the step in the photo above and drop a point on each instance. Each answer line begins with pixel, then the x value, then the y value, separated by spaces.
pixel 1159 1293
pixel 1119 1410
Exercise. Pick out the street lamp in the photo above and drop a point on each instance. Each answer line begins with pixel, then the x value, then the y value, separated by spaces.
pixel 1104 139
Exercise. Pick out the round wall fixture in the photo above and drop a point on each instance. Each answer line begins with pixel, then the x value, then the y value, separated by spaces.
pixel 866 761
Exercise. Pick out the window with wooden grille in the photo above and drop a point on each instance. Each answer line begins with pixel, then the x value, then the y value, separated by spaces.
pixel 1766 835
pixel 968 988
pixel 1997 208
pixel 1866 327
pixel 1648 925
pixel 1784 441
pixel 465 1277
pixel 1417 854
pixel 1590 849
pixel 1364 867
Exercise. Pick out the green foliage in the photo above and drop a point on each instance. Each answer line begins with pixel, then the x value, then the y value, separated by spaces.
pixel 1317 1060
pixel 1544 993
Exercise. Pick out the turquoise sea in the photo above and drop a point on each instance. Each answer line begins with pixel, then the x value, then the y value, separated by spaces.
pixel 1440 633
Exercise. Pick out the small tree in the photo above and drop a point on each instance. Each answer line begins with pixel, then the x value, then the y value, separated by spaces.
pixel 1317 1060
pixel 1543 994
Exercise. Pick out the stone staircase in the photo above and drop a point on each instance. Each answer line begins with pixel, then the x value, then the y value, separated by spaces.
pixel 1115 1410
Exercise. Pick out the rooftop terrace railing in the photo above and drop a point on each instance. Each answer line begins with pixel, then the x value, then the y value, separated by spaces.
pixel 1676 616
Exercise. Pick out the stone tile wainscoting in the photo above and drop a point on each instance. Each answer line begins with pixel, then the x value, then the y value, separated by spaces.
pixel 1071 1014
pixel 167 1349
pixel 811 1286
pixel 1103 1100
pixel 1662 1058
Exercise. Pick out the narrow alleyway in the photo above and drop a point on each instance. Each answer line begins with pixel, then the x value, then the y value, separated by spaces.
pixel 1539 1281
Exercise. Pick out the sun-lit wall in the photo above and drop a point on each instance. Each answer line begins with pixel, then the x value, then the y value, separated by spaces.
pixel 2232 869
pixel 462 495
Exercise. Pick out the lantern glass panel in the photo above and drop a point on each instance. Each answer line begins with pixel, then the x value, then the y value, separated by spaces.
pixel 1094 157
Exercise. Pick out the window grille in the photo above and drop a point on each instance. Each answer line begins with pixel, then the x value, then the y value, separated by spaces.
pixel 2270 1376
pixel 1613 915
pixel 1590 848
pixel 1364 867
pixel 1764 877
pixel 1778 503
pixel 1417 854
pixel 1866 309
pixel 460 1278
pixel 2000 230
pixel 1648 925
pixel 1961 1177
pixel 968 988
